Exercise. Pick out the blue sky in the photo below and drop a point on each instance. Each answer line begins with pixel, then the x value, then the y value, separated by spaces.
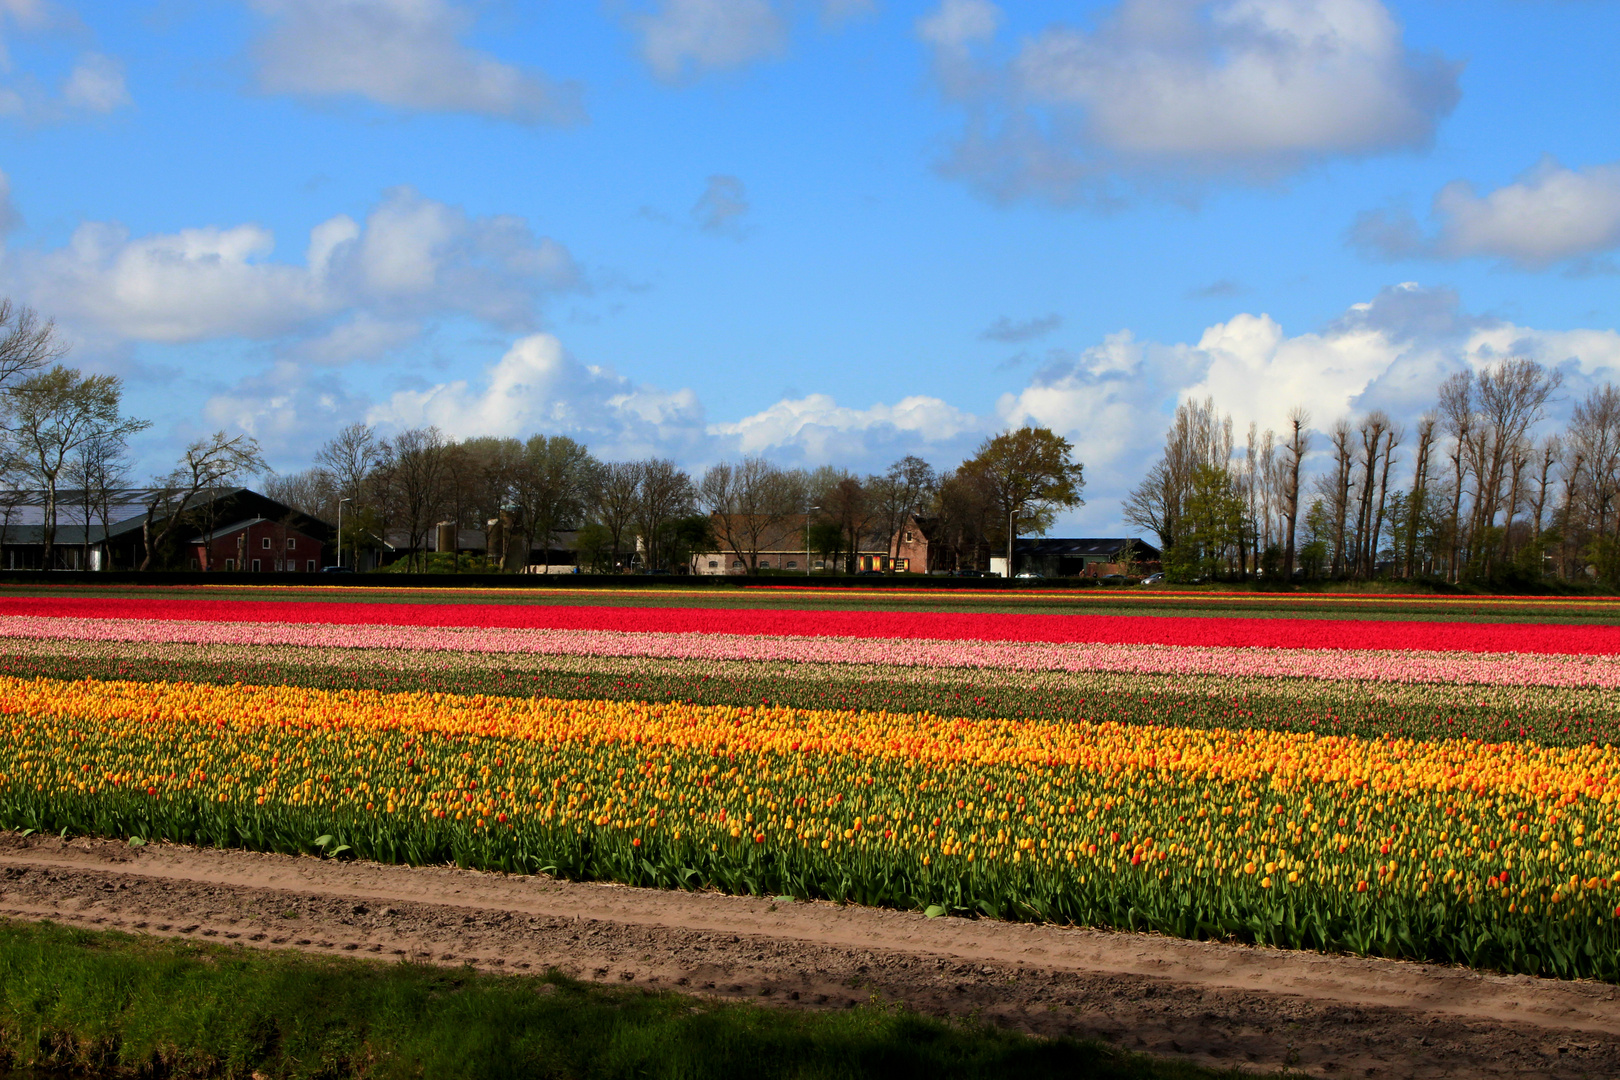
pixel 821 230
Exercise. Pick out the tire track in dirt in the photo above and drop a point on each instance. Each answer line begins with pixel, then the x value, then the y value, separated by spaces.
pixel 1211 1003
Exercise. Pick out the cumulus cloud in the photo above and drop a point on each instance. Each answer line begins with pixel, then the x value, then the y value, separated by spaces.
pixel 1549 215
pixel 95 85
pixel 404 54
pixel 411 258
pixel 1183 90
pixel 722 205
pixel 1112 400
pixel 537 386
pixel 818 430
pixel 1016 332
pixel 683 38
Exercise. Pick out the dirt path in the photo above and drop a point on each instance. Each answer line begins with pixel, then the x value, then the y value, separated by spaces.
pixel 1215 1004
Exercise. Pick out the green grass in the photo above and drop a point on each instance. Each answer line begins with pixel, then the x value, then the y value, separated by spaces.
pixel 111 1005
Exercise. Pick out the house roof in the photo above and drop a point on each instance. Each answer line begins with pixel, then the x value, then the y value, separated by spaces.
pixel 22 513
pixel 246 523
pixel 1096 547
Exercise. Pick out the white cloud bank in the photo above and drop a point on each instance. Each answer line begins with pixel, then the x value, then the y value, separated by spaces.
pixel 1549 215
pixel 403 54
pixel 412 258
pixel 1182 89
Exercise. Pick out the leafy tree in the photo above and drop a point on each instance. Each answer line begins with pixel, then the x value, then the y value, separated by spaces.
pixel 51 416
pixel 1029 474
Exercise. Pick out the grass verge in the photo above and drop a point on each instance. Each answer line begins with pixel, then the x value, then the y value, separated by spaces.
pixel 96 1004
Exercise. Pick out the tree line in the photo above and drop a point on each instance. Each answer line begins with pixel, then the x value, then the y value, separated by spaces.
pixel 64 441
pixel 1488 495
pixel 651 514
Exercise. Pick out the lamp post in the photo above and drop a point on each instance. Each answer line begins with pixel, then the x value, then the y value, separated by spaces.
pixel 1012 515
pixel 340 532
pixel 807 511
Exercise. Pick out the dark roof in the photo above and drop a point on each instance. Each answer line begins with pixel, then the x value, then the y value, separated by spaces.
pixel 227 530
pixel 24 524
pixel 1093 546
pixel 925 525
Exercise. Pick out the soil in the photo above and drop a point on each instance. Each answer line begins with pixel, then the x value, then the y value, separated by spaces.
pixel 1214 1004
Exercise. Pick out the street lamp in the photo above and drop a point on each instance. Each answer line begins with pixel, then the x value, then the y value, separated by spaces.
pixel 807 511
pixel 340 531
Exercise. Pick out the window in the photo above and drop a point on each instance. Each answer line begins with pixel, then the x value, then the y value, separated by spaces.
pixel 230 564
pixel 292 543
pixel 793 564
pixel 195 565
pixel 821 564
pixel 714 564
pixel 908 537
pixel 265 543
pixel 310 566
pixel 765 564
pixel 737 564
pixel 255 566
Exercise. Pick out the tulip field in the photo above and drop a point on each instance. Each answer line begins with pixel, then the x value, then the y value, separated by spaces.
pixel 1435 788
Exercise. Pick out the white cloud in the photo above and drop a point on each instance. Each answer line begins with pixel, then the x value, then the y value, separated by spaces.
pixel 405 54
pixel 96 84
pixel 682 38
pixel 722 205
pixel 1549 215
pixel 9 218
pixel 819 430
pixel 412 258
pixel 959 23
pixel 538 386
pixel 287 408
pixel 1115 400
pixel 1186 89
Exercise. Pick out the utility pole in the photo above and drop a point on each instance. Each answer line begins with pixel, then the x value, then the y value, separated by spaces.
pixel 340 533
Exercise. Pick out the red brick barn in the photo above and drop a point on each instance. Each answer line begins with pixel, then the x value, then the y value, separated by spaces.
pixel 260 546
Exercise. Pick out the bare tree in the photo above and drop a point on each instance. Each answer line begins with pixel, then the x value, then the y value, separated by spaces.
pixel 614 501
pixel 902 491
pixel 49 416
pixel 1294 451
pixel 27 345
pixel 551 487
pixel 350 456
pixel 749 501
pixel 1457 414
pixel 206 465
pixel 99 467
pixel 411 475
pixel 665 494
pixel 1420 489
pixel 312 492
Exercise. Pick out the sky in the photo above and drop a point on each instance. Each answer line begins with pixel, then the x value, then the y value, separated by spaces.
pixel 824 231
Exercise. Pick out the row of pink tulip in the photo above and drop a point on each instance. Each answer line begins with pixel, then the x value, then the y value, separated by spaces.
pixel 1386 666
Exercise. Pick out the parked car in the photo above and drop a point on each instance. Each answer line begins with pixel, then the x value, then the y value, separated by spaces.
pixel 1030 575
pixel 967 573
pixel 337 569
pixel 1153 579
